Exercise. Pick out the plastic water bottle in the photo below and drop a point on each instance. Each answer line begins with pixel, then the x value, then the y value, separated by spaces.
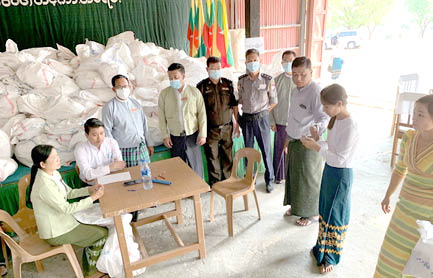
pixel 146 175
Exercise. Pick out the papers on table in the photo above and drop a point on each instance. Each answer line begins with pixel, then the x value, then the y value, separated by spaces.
pixel 124 176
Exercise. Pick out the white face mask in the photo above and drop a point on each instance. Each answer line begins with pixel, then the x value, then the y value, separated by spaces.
pixel 123 93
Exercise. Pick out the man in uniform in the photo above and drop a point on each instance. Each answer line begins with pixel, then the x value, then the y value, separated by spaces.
pixel 221 105
pixel 279 115
pixel 257 96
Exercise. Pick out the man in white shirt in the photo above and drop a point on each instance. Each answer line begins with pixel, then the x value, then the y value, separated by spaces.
pixel 305 168
pixel 99 155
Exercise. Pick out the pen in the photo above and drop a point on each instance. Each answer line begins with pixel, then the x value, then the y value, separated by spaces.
pixel 132 190
pixel 161 181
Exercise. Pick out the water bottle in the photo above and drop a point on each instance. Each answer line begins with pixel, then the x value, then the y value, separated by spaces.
pixel 146 175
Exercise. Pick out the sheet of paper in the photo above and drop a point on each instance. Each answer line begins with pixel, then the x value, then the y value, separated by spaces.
pixel 124 176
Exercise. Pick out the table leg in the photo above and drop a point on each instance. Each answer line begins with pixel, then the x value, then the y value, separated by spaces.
pixel 122 244
pixel 179 215
pixel 199 226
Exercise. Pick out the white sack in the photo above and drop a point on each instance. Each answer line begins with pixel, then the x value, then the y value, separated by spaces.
pixel 103 94
pixel 8 105
pixel 5 145
pixel 12 122
pixel 60 67
pixel 64 53
pixel 108 71
pixel 8 166
pixel 110 260
pixel 27 129
pixel 126 37
pixel 53 108
pixel 89 80
pixel 120 54
pixel 36 74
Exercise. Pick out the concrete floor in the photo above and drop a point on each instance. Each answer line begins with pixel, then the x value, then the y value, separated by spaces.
pixel 275 246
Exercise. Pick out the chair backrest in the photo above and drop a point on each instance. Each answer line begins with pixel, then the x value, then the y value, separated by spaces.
pixel 13 245
pixel 408 82
pixel 406 106
pixel 23 184
pixel 77 169
pixel 252 156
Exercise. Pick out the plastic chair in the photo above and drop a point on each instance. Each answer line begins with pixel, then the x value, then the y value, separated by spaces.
pixel 406 83
pixel 234 186
pixel 24 217
pixel 403 120
pixel 31 248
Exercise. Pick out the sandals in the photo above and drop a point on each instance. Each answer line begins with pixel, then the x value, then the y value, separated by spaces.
pixel 288 212
pixel 305 221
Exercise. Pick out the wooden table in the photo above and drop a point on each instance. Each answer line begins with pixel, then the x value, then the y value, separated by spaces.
pixel 119 199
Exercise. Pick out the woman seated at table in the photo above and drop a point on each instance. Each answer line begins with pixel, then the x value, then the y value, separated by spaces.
pixel 53 213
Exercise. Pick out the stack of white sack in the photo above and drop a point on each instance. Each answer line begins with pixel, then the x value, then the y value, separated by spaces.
pixel 7 164
pixel 47 94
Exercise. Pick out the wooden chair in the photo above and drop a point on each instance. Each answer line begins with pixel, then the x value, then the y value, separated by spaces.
pixel 31 248
pixel 403 118
pixel 234 186
pixel 406 83
pixel 24 217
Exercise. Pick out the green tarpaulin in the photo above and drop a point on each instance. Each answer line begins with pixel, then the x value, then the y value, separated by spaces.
pixel 69 23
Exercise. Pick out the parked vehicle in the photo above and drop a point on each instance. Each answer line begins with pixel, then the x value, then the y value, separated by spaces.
pixel 347 39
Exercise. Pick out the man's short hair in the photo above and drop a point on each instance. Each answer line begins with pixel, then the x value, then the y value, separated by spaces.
pixel 113 80
pixel 212 60
pixel 177 66
pixel 252 51
pixel 301 61
pixel 92 123
pixel 288 52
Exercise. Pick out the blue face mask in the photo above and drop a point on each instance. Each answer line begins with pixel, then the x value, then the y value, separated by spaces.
pixel 287 67
pixel 215 74
pixel 253 66
pixel 175 84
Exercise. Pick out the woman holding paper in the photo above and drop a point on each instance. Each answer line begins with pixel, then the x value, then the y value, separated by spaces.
pixel 53 213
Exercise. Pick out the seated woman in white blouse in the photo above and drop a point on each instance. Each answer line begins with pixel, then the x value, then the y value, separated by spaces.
pixel 337 179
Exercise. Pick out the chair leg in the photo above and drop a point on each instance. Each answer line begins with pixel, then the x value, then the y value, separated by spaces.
pixel 39 266
pixel 394 147
pixel 16 262
pixel 211 206
pixel 229 208
pixel 5 253
pixel 393 123
pixel 70 253
pixel 246 202
pixel 257 204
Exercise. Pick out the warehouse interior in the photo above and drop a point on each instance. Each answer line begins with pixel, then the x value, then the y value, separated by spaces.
pixel 82 36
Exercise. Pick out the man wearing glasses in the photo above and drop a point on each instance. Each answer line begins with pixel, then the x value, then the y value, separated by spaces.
pixel 125 121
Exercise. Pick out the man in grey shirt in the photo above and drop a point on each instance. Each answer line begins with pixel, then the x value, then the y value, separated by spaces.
pixel 257 96
pixel 280 114
pixel 125 121
pixel 305 169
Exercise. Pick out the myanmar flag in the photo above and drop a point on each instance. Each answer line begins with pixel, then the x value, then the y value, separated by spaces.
pixel 221 38
pixel 195 30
